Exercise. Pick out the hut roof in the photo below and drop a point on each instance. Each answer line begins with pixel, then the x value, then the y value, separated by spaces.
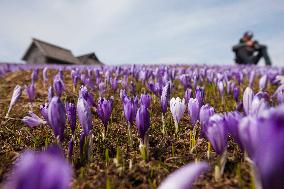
pixel 52 51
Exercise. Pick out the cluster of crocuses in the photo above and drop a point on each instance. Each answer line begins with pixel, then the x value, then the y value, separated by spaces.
pixel 255 125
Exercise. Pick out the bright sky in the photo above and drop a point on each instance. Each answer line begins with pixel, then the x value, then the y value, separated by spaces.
pixel 142 31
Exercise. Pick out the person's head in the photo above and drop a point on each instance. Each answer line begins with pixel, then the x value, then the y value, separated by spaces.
pixel 248 35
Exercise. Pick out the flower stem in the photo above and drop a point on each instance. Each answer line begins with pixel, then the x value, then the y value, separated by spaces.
pixel 130 141
pixel 163 124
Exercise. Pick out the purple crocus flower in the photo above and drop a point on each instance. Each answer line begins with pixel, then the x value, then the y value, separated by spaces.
pixel 128 109
pixel 71 115
pixel 193 110
pixel 34 75
pixel 114 83
pixel 89 97
pixel 16 95
pixel 217 133
pixel 236 93
pixel 221 89
pixel 104 110
pixel 102 88
pixel 248 132
pixel 41 170
pixel 75 76
pixel 58 85
pixel 57 117
pixel 247 100
pixel 184 177
pixel 33 120
pixel 43 109
pixel 200 94
pixel 122 94
pixel 165 97
pixel 50 93
pixel 258 105
pixel 206 111
pixel 142 122
pixel 145 100
pixel 269 156
pixel 44 75
pixel 251 79
pixel 84 115
pixel 262 82
pixel 31 92
pixel 185 80
pixel 187 95
pixel 279 94
pixel 232 120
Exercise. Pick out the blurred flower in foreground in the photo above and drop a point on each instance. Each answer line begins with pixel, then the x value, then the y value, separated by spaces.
pixel 184 177
pixel 41 170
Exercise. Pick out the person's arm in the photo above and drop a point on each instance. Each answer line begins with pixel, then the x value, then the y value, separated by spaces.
pixel 238 46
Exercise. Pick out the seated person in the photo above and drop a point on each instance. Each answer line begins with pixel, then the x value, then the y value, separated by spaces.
pixel 249 51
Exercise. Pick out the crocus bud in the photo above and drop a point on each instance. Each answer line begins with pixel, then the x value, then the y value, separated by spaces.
pixel 58 85
pixel 47 169
pixel 200 94
pixel 16 95
pixel 89 97
pixel 184 177
pixel 217 133
pixel 193 110
pixel 50 93
pixel 268 155
pixel 251 79
pixel 206 111
pixel 146 100
pixel 247 100
pixel 75 76
pixel 44 75
pixel 165 97
pixel 34 75
pixel 114 83
pixel 262 82
pixel 248 132
pixel 142 122
pixel 236 93
pixel 128 109
pixel 71 115
pixel 104 110
pixel 221 89
pixel 84 115
pixel 177 107
pixel 57 117
pixel 31 92
pixel 187 95
pixel 122 94
pixel 102 88
pixel 33 120
pixel 232 120
pixel 43 109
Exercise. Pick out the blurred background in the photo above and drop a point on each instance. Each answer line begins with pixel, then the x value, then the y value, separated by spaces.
pixel 139 31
